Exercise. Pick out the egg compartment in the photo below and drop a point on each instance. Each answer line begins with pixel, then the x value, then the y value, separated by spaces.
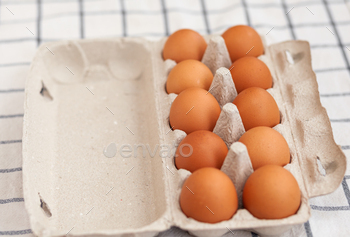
pixel 229 127
pixel 88 94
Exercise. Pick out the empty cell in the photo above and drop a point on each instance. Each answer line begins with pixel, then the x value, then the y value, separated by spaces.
pixel 143 6
pixel 103 25
pixel 337 108
pixel 333 82
pixel 13 77
pixel 179 20
pixel 13 214
pixel 340 125
pixel 11 127
pixel 225 18
pixel 251 3
pixel 12 103
pixel 15 52
pixel 11 179
pixel 18 31
pixel 317 35
pixel 11 156
pixel 145 25
pixel 327 58
pixel 337 198
pixel 328 222
pixel 303 2
pixel 63 27
pixel 102 6
pixel 340 12
pixel 194 5
pixel 221 5
pixel 274 35
pixel 309 14
pixel 15 12
pixel 50 9
pixel 270 16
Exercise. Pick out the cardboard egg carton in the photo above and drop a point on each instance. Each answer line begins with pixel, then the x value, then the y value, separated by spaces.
pixel 88 97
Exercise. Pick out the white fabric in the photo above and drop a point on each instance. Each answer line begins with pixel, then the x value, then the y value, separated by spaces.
pixel 24 24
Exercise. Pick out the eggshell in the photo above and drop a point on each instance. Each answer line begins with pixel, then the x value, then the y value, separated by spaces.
pixel 200 149
pixel 208 195
pixel 271 192
pixel 189 73
pixel 243 41
pixel 194 109
pixel 257 108
pixel 250 72
pixel 184 44
pixel 266 146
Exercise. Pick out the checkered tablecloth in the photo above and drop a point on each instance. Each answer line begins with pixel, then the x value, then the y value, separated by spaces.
pixel 25 24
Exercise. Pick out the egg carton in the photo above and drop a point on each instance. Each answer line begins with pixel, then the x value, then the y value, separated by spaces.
pixel 86 98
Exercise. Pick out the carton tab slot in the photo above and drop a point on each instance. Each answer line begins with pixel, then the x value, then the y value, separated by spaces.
pixel 45 93
pixel 45 207
pixel 289 57
pixel 320 167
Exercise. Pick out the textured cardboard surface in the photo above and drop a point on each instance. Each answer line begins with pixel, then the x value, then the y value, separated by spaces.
pixel 113 91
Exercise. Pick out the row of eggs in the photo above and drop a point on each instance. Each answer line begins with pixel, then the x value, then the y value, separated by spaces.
pixel 208 195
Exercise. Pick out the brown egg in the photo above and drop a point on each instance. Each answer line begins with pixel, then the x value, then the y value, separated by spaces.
pixel 184 44
pixel 266 146
pixel 271 192
pixel 243 41
pixel 200 149
pixel 250 72
pixel 257 108
pixel 209 195
pixel 194 109
pixel 189 73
